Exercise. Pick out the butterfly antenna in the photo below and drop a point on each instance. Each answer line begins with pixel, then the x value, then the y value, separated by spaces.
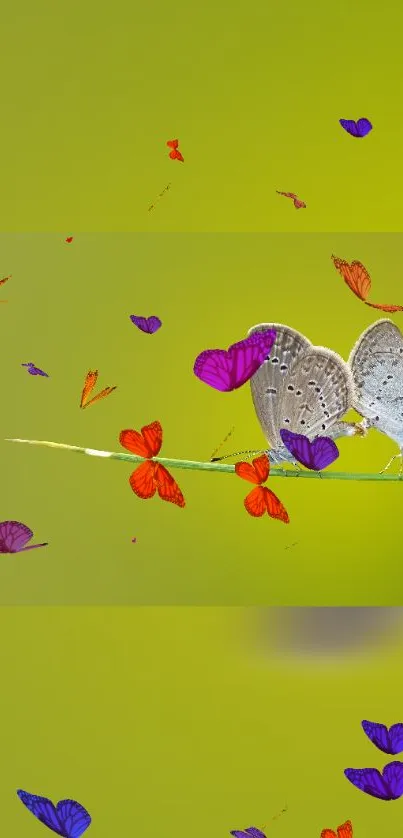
pixel 212 459
pixel 236 454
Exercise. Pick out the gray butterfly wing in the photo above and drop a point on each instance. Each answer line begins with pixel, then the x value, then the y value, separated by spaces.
pixel 382 336
pixel 378 381
pixel 268 383
pixel 319 391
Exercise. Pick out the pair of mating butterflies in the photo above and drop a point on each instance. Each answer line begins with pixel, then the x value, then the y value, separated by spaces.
pixel 387 785
pixel 306 389
pixel 68 818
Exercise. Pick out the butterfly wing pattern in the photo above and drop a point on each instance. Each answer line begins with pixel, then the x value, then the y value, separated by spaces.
pixel 68 819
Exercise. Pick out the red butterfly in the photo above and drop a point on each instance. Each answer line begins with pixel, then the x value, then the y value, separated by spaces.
pixel 343 831
pixel 359 281
pixel 261 499
pixel 69 239
pixel 150 477
pixel 175 153
pixel 297 203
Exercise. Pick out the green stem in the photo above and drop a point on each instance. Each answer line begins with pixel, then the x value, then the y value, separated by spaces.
pixel 228 469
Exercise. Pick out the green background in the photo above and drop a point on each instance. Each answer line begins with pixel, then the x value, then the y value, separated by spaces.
pixel 68 311
pixel 187 721
pixel 91 92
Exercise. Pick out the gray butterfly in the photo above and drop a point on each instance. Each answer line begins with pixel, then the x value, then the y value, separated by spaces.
pixel 301 387
pixel 376 363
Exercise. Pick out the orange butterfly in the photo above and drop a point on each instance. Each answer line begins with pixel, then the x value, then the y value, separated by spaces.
pixel 359 281
pixel 261 499
pixel 175 153
pixel 343 831
pixel 297 203
pixel 150 477
pixel 90 382
pixel 69 239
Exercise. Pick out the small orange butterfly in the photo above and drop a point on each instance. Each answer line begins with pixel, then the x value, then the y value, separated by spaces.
pixel 69 239
pixel 261 499
pixel 90 382
pixel 343 831
pixel 175 153
pixel 359 281
pixel 149 477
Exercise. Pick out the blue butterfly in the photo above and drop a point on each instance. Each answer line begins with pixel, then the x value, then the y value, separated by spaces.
pixel 69 819
pixel 357 129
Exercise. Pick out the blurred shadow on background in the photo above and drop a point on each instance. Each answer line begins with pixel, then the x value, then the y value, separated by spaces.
pixel 325 634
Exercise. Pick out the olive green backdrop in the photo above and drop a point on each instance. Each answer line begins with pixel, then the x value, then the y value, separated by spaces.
pixel 188 721
pixel 91 92
pixel 68 311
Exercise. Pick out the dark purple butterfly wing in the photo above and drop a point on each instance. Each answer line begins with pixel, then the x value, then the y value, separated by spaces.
pixel 43 809
pixel 393 777
pixel 254 832
pixel 74 817
pixel 356 129
pixel 239 833
pixel 388 786
pixel 364 126
pixel 228 370
pixel 389 741
pixel 324 452
pixel 315 455
pixel 33 370
pixel 13 536
pixel 149 325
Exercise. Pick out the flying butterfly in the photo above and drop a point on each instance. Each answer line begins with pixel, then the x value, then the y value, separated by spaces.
pixel 90 382
pixel 357 278
pixel 175 153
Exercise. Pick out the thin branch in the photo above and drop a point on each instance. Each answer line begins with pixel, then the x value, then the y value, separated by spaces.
pixel 228 469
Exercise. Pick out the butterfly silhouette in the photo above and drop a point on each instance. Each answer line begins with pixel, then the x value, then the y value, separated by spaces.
pixel 90 382
pixel 359 281
pixel 261 499
pixel 297 203
pixel 175 153
pixel 150 477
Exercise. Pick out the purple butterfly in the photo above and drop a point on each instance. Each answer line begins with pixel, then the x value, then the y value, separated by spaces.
pixel 146 324
pixel 390 741
pixel 250 832
pixel 357 129
pixel 385 786
pixel 33 370
pixel 68 818
pixel 315 455
pixel 227 370
pixel 14 535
